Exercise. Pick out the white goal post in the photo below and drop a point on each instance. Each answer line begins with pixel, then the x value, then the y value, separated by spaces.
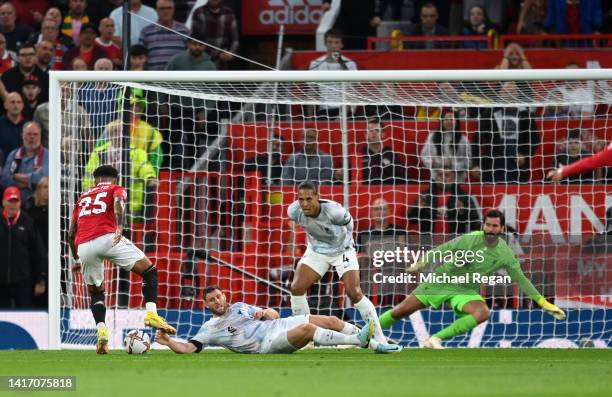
pixel 346 90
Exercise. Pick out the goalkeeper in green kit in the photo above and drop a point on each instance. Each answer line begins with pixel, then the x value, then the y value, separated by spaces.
pixel 457 281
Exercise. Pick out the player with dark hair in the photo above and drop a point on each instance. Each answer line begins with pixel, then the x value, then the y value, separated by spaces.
pixel 95 234
pixel 244 328
pixel 329 227
pixel 489 253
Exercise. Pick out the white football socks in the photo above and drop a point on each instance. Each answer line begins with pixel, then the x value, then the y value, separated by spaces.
pixel 299 305
pixel 349 329
pixel 367 311
pixel 151 307
pixel 327 337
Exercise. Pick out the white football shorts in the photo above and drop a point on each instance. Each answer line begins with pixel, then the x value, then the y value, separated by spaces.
pixel 276 341
pixel 94 252
pixel 321 263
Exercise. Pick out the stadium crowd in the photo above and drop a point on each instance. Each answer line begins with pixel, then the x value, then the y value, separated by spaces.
pixel 37 36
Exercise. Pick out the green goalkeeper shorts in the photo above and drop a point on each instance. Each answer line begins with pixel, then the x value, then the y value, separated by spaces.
pixel 456 301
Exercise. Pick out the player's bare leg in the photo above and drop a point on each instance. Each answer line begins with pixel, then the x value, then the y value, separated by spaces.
pixel 148 272
pixel 475 312
pixel 409 305
pixel 98 309
pixel 367 311
pixel 333 323
pixel 303 279
pixel 303 334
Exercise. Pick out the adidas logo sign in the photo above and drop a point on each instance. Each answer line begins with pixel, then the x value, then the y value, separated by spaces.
pixel 289 12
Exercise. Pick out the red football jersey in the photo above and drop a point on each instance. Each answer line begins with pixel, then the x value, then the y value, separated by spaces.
pixel 95 213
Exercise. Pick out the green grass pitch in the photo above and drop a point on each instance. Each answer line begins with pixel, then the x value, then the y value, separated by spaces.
pixel 324 372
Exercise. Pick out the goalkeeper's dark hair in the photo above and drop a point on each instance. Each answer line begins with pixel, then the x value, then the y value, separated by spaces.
pixel 308 185
pixel 495 213
pixel 211 288
pixel 106 171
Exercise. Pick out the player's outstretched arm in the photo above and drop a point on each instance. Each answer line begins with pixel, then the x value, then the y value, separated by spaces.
pixel 178 347
pixel 517 275
pixel 600 159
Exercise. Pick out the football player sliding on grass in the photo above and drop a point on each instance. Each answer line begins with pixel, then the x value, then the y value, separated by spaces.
pixel 490 252
pixel 95 234
pixel 243 328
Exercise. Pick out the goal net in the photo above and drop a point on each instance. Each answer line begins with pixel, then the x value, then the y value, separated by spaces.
pixel 211 162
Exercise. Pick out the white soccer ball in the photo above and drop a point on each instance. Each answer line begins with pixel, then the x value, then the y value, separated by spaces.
pixel 137 342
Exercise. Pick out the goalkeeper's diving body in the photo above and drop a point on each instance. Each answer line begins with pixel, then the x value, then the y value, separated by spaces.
pixel 490 252
pixel 243 328
pixel 329 227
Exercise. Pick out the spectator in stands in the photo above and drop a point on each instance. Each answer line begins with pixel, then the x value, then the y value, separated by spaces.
pixel 55 15
pixel 15 34
pixel 380 164
pixel 272 161
pixel 358 19
pixel 99 99
pixel 332 60
pixel 531 19
pixel 143 175
pixel 37 206
pixel 428 26
pixel 161 43
pixel 497 11
pixel 188 115
pixel 74 20
pixel 79 128
pixel 30 12
pixel 578 97
pixel 140 15
pixel 139 56
pixel 7 58
pixel 26 66
pixel 50 31
pixel 78 64
pixel 44 55
pixel 447 148
pixel 107 41
pixel 30 92
pixel 11 124
pixel 478 25
pixel 514 58
pixel 216 24
pixel 574 17
pixel 311 164
pixel 505 141
pixel 87 49
pixel 445 208
pixel 25 166
pixel 381 9
pixel 571 153
pixel 383 235
pixel 23 259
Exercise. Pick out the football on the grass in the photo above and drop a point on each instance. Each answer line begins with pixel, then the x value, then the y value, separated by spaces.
pixel 137 342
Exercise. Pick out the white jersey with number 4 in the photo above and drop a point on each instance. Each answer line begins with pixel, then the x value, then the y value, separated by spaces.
pixel 330 233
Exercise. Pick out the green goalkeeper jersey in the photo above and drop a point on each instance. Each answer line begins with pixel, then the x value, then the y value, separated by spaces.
pixel 466 261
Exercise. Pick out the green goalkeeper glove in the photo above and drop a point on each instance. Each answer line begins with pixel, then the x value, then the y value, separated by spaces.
pixel 551 309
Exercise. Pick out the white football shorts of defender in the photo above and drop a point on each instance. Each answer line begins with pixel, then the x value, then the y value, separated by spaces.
pixel 238 331
pixel 330 238
pixel 92 254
